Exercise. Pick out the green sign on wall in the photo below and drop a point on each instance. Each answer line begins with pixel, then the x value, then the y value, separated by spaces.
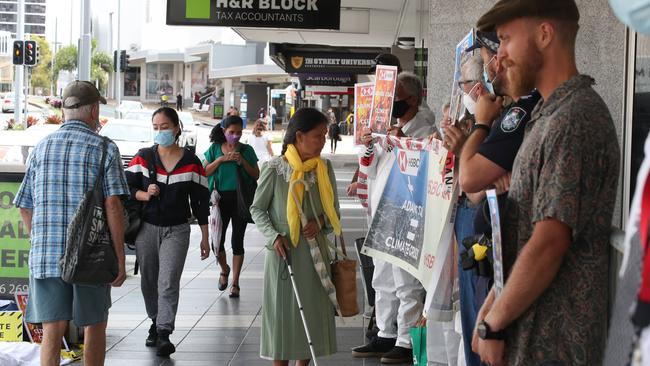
pixel 14 244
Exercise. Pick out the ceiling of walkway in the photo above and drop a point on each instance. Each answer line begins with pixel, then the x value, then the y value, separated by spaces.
pixel 363 23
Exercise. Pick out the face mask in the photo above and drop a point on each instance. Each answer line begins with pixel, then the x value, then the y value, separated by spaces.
pixel 469 102
pixel 164 138
pixel 232 139
pixel 634 13
pixel 486 77
pixel 400 107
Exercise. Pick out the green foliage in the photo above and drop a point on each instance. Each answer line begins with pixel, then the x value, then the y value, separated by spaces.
pixel 101 63
pixel 42 72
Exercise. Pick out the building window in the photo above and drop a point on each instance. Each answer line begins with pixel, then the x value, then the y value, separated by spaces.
pixel 37 9
pixel 35 29
pixel 10 18
pixel 9 7
pixel 159 80
pixel 8 27
pixel 132 82
pixel 35 19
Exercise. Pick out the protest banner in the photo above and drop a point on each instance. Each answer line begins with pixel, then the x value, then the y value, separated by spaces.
pixel 11 326
pixel 414 209
pixel 14 240
pixel 34 331
pixel 457 108
pixel 363 93
pixel 496 241
pixel 382 100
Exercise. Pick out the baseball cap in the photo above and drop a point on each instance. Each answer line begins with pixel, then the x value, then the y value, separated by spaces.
pixel 80 93
pixel 506 10
pixel 488 40
pixel 385 59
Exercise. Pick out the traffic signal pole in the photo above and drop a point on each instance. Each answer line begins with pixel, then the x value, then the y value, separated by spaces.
pixel 19 69
pixel 118 79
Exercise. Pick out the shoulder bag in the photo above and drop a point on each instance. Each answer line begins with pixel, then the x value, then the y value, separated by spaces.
pixel 134 209
pixel 344 278
pixel 89 256
pixel 245 193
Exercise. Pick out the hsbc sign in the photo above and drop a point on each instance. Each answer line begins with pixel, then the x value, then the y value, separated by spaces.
pixel 409 162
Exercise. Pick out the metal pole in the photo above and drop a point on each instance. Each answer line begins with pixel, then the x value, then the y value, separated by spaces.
pixel 110 46
pixel 118 83
pixel 19 69
pixel 56 29
pixel 27 74
pixel 85 42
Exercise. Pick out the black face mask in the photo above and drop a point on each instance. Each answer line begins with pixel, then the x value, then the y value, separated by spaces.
pixel 400 107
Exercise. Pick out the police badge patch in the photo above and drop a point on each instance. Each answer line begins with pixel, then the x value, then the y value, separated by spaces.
pixel 512 120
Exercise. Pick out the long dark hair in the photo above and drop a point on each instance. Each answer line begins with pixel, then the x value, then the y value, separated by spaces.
pixel 171 114
pixel 304 120
pixel 217 134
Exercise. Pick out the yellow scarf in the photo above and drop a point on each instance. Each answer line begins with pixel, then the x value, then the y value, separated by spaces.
pixel 324 188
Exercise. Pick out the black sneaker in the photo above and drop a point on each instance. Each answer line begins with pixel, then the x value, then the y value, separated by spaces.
pixel 165 346
pixel 398 355
pixel 376 348
pixel 152 338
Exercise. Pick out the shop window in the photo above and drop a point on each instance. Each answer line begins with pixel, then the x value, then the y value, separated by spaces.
pixel 132 82
pixel 159 80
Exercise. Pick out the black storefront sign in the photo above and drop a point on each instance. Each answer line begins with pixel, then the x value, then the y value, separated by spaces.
pixel 342 63
pixel 298 14
pixel 327 79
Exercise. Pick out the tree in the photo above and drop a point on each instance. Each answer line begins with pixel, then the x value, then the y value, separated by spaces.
pixel 101 63
pixel 42 72
pixel 65 59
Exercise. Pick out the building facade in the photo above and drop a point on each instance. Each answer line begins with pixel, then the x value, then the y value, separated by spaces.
pixel 34 16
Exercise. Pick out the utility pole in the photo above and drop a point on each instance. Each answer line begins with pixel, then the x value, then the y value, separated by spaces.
pixel 110 45
pixel 85 42
pixel 118 79
pixel 56 30
pixel 19 69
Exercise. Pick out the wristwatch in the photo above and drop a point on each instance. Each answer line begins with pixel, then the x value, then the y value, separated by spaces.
pixel 480 126
pixel 485 332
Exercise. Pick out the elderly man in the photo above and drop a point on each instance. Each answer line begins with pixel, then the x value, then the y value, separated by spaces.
pixel 552 309
pixel 61 169
pixel 399 296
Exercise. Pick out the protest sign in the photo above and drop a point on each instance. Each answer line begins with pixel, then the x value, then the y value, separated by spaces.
pixel 34 331
pixel 363 93
pixel 496 241
pixel 414 208
pixel 457 108
pixel 11 326
pixel 382 100
pixel 14 240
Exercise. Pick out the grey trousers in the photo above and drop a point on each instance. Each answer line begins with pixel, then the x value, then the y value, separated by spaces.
pixel 161 253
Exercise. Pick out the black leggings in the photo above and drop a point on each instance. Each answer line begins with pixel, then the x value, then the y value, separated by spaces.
pixel 333 143
pixel 228 210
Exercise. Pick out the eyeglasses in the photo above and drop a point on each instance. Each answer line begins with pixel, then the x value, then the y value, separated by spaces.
pixel 461 83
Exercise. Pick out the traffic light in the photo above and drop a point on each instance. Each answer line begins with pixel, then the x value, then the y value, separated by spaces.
pixel 19 53
pixel 115 60
pixel 124 60
pixel 31 53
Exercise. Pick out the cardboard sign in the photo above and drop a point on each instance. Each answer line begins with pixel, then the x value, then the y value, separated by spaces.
pixel 14 241
pixel 298 14
pixel 363 93
pixel 457 108
pixel 34 331
pixel 496 241
pixel 382 101
pixel 11 326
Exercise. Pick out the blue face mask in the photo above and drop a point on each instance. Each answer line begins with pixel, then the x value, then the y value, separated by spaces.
pixel 486 77
pixel 634 13
pixel 164 138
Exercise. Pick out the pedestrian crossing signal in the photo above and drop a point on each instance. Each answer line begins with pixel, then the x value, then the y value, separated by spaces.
pixel 19 54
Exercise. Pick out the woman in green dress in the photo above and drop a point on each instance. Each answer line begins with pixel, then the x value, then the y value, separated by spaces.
pixel 275 214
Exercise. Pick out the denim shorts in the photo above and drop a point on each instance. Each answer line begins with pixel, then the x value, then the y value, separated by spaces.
pixel 52 299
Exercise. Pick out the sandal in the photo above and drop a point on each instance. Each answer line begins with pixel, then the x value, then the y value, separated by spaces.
pixel 234 295
pixel 224 285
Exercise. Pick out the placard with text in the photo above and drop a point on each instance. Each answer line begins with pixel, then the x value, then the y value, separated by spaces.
pixel 382 100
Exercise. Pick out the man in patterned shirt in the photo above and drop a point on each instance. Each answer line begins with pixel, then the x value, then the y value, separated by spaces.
pixel 61 169
pixel 553 307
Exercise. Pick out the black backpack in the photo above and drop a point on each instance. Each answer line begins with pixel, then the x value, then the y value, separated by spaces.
pixel 134 209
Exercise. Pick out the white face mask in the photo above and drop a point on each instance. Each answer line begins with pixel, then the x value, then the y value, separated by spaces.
pixel 469 102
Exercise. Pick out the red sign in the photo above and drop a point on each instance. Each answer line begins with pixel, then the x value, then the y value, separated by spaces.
pixel 34 331
pixel 382 100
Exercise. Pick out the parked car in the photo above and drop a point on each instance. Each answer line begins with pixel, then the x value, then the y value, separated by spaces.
pixel 129 135
pixel 188 137
pixel 128 105
pixel 8 102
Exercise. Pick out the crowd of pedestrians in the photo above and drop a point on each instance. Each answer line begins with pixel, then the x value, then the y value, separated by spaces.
pixel 534 129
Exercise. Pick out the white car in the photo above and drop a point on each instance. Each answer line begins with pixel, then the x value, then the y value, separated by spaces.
pixel 15 146
pixel 129 136
pixel 8 102
pixel 188 137
pixel 129 105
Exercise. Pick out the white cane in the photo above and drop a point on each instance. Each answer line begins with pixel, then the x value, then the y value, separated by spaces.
pixel 287 259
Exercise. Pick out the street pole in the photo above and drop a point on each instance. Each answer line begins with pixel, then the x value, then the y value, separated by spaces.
pixel 118 81
pixel 19 69
pixel 85 42
pixel 56 30
pixel 110 45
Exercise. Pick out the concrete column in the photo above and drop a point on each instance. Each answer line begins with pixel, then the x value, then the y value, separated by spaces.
pixel 187 83
pixel 143 82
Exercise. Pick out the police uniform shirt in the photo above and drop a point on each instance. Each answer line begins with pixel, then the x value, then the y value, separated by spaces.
pixel 507 134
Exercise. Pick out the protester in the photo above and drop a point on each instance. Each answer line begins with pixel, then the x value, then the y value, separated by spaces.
pixel 179 102
pixel 334 133
pixel 274 211
pixel 399 297
pixel 223 158
pixel 48 198
pixel 260 142
pixel 197 97
pixel 164 237
pixel 553 307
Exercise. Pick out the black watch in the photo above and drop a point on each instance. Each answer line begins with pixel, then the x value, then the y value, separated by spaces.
pixel 480 126
pixel 485 332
